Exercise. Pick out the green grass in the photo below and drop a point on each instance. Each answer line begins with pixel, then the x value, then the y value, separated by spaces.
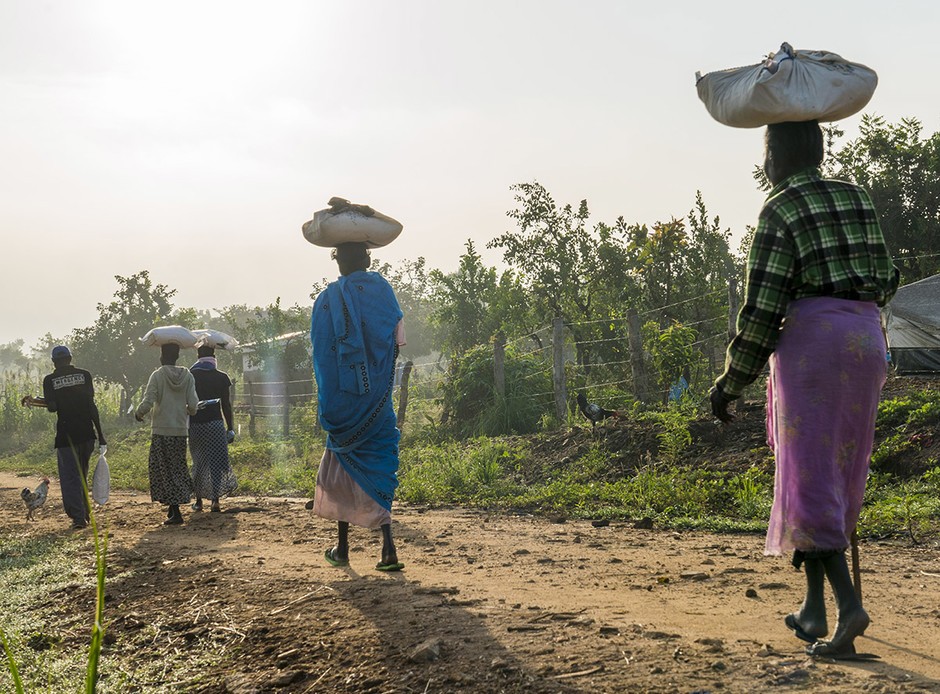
pixel 502 473
pixel 47 647
pixel 35 573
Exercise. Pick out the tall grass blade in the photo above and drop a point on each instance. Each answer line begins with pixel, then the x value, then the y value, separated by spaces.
pixel 11 665
pixel 97 631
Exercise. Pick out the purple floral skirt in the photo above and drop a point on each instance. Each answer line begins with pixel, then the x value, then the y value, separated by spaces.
pixel 826 375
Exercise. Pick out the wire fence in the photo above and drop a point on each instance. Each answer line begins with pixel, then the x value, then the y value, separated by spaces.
pixel 607 359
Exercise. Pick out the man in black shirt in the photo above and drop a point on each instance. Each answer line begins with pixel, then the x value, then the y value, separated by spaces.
pixel 69 393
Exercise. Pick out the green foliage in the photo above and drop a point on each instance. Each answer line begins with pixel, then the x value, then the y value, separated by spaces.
pixel 672 352
pixel 12 357
pixel 481 471
pixel 465 303
pixel 752 493
pixel 473 405
pixel 31 569
pixel 910 508
pixel 11 664
pixel 897 423
pixel 20 425
pixel 674 437
pixel 278 337
pixel 111 348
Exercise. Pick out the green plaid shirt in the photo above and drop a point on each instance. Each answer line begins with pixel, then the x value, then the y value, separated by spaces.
pixel 815 237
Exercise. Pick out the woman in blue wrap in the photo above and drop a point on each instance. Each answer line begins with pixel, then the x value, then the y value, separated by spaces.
pixel 356 331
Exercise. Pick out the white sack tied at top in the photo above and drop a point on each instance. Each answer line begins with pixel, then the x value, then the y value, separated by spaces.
pixel 346 222
pixel 207 337
pixel 168 335
pixel 791 85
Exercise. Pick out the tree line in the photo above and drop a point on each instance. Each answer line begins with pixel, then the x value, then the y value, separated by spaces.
pixel 556 263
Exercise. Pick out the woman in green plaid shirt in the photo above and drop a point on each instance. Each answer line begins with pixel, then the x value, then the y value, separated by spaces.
pixel 817 273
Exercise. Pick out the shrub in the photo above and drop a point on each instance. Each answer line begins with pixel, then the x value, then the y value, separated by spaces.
pixel 474 407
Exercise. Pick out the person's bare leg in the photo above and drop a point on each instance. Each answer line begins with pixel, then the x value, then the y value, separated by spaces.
pixel 809 622
pixel 339 554
pixel 174 517
pixel 215 508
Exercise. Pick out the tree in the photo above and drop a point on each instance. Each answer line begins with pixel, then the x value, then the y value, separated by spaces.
pixel 278 337
pixel 552 249
pixel 563 265
pixel 111 348
pixel 464 303
pixel 12 357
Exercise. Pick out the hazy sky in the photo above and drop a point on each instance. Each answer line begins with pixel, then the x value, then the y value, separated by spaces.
pixel 193 139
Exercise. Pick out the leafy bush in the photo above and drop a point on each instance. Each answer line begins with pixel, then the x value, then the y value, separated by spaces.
pixel 474 407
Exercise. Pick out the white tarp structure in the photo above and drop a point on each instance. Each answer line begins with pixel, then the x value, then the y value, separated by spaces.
pixel 913 325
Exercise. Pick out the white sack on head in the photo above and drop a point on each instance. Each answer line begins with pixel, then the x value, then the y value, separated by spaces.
pixel 345 222
pixel 789 86
pixel 169 335
pixel 207 337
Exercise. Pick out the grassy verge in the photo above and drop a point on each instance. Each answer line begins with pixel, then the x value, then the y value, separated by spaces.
pixel 503 473
pixel 48 645
pixel 48 597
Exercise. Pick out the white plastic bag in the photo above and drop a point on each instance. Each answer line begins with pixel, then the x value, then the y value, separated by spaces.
pixel 214 338
pixel 344 222
pixel 101 481
pixel 169 334
pixel 789 86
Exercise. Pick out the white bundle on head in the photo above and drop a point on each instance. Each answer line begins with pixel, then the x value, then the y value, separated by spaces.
pixel 790 86
pixel 169 335
pixel 207 337
pixel 346 222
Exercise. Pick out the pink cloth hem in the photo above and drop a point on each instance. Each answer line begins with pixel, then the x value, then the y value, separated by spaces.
pixel 338 497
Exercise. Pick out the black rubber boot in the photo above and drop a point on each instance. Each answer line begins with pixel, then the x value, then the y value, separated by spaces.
pixel 853 619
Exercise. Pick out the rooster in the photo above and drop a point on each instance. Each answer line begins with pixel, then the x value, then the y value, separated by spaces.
pixel 595 413
pixel 36 498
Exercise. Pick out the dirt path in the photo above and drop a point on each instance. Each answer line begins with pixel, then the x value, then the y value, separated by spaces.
pixel 515 604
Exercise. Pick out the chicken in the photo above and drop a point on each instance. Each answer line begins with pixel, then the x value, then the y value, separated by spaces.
pixel 595 413
pixel 36 498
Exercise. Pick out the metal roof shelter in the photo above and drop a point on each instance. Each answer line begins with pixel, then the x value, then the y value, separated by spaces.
pixel 913 327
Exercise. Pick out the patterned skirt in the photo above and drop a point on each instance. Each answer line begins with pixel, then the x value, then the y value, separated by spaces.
pixel 169 476
pixel 825 381
pixel 212 473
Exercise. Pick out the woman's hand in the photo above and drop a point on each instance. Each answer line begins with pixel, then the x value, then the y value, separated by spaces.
pixel 720 403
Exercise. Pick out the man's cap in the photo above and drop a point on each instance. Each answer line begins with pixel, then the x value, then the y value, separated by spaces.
pixel 61 352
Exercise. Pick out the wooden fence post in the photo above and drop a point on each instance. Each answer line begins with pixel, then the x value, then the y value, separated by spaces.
pixel 403 393
pixel 285 421
pixel 499 363
pixel 251 408
pixel 637 365
pixel 558 369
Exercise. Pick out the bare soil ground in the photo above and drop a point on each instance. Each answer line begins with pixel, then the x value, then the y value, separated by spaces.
pixel 486 603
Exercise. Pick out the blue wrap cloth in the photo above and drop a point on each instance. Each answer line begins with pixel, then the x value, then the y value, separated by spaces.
pixel 354 351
